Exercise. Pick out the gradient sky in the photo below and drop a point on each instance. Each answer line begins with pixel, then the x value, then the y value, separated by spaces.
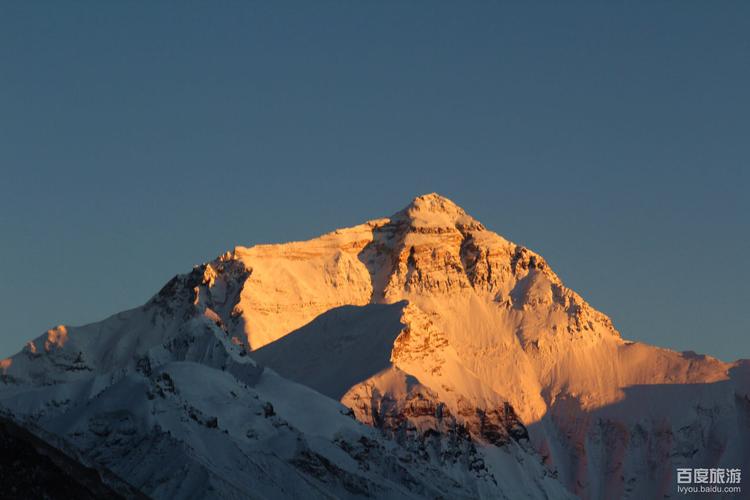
pixel 140 138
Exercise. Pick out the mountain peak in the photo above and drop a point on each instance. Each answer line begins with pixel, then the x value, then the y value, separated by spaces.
pixel 435 203
pixel 473 362
pixel 432 209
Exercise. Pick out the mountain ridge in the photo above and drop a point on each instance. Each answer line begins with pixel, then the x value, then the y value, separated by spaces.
pixel 442 335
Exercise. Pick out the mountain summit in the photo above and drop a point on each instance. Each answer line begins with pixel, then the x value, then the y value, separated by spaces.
pixel 455 350
pixel 433 210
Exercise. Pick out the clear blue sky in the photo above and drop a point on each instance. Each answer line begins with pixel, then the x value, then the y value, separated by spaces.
pixel 140 138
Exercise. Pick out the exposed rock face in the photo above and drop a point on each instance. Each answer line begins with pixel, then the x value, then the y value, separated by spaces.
pixel 462 348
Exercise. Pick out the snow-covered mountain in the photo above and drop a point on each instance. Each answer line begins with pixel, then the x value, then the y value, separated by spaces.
pixel 415 356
